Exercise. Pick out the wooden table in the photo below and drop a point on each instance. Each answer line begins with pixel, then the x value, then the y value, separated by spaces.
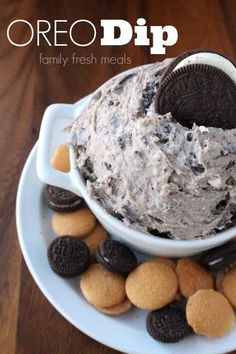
pixel 29 324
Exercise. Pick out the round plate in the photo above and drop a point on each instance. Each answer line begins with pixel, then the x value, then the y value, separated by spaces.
pixel 127 332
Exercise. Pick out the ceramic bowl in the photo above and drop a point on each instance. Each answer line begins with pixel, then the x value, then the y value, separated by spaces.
pixel 55 118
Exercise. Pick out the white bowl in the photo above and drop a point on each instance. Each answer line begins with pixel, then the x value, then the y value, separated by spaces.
pixel 55 118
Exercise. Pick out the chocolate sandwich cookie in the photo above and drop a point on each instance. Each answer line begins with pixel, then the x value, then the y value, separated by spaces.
pixel 116 257
pixel 68 256
pixel 168 325
pixel 61 200
pixel 200 94
pixel 219 257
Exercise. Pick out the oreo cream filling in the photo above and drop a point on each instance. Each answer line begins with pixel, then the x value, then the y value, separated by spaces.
pixel 148 169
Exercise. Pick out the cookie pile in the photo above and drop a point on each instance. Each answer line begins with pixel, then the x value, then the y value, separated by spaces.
pixel 71 218
pixel 103 284
pixel 184 296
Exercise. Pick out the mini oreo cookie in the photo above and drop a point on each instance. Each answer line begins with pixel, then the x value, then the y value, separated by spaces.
pixel 60 200
pixel 116 257
pixel 200 94
pixel 219 257
pixel 68 256
pixel 168 325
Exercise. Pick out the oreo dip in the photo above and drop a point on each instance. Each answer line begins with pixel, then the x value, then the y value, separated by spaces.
pixel 150 170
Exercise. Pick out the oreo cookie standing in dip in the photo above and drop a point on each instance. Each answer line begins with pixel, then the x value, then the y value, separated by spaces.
pixel 60 200
pixel 116 257
pixel 68 256
pixel 167 325
pixel 200 93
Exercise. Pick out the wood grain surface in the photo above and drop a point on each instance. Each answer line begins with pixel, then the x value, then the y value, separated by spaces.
pixel 28 323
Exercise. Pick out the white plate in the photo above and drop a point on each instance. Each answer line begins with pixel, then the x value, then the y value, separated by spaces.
pixel 126 333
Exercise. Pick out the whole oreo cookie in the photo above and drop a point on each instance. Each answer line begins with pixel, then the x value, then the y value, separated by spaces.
pixel 200 94
pixel 59 199
pixel 219 257
pixel 167 325
pixel 116 257
pixel 68 256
